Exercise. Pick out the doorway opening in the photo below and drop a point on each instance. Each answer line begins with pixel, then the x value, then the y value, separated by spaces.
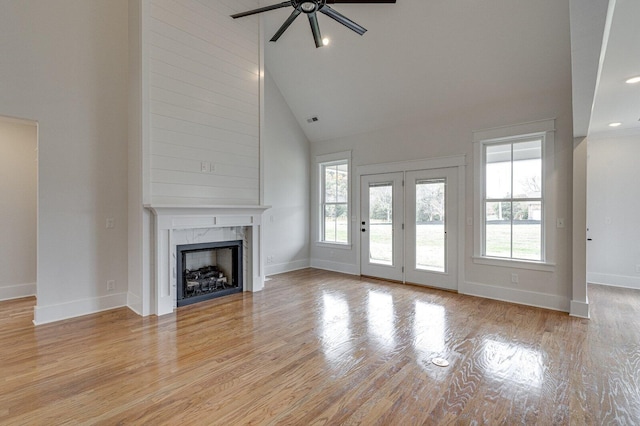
pixel 18 208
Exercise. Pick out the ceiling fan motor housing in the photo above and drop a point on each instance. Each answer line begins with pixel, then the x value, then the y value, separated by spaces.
pixel 309 6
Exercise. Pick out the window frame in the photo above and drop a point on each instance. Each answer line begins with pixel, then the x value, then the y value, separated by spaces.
pixel 324 161
pixel 544 131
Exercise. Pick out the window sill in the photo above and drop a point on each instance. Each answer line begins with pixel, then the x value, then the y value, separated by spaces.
pixel 520 264
pixel 339 246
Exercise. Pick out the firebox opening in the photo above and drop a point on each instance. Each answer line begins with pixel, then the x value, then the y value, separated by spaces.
pixel 208 270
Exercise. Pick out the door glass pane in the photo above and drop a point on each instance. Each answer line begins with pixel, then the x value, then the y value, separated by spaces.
pixel 498 229
pixel 381 223
pixel 430 225
pixel 527 230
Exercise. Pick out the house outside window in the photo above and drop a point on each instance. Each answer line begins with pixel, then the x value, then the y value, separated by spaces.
pixel 334 199
pixel 513 202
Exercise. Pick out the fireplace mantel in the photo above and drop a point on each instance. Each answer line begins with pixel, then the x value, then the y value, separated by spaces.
pixel 171 218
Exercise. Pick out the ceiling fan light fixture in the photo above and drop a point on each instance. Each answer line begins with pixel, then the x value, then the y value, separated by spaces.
pixel 326 41
pixel 308 7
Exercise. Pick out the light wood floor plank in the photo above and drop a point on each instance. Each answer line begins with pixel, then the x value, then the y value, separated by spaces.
pixel 318 347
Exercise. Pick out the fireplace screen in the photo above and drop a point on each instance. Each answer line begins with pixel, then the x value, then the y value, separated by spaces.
pixel 208 270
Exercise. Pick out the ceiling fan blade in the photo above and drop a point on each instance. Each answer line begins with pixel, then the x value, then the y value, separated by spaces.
pixel 262 9
pixel 360 1
pixel 315 29
pixel 331 13
pixel 286 24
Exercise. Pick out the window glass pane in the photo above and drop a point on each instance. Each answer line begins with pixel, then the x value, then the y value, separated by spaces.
pixel 381 224
pixel 527 169
pixel 430 225
pixel 330 187
pixel 527 230
pixel 335 223
pixel 342 183
pixel 498 229
pixel 498 171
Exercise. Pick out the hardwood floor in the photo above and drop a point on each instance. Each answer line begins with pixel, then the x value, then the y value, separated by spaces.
pixel 323 348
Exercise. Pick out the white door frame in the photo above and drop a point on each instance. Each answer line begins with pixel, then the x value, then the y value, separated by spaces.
pixel 458 161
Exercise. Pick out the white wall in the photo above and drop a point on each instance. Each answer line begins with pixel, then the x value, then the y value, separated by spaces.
pixel 65 65
pixel 18 191
pixel 286 185
pixel 613 211
pixel 452 135
pixel 204 103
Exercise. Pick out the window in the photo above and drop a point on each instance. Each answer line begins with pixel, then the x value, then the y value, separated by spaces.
pixel 513 199
pixel 512 194
pixel 334 200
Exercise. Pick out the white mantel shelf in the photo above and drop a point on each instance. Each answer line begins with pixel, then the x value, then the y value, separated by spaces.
pixel 171 218
pixel 205 207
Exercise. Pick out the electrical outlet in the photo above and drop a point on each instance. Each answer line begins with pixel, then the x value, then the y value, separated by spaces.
pixel 111 223
pixel 111 285
pixel 514 278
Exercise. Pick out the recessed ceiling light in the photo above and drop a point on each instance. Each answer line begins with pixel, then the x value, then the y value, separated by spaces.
pixel 616 124
pixel 633 80
pixel 325 41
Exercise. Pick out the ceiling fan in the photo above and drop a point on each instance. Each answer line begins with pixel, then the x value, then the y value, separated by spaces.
pixel 310 8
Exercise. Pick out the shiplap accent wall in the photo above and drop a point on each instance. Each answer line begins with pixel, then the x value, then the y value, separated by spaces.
pixel 204 102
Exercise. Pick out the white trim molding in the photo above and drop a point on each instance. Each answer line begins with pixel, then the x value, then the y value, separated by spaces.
pixel 613 280
pixel 281 268
pixel 17 291
pixel 328 265
pixel 511 295
pixel 77 308
pixel 579 309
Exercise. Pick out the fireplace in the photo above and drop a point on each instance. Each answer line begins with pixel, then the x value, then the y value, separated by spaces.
pixel 175 225
pixel 208 270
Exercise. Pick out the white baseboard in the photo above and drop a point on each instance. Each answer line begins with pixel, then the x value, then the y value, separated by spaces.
pixel 579 309
pixel 77 308
pixel 17 291
pixel 613 280
pixel 134 302
pixel 345 268
pixel 522 297
pixel 286 267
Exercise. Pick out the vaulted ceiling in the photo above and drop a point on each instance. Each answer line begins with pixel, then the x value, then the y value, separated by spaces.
pixel 423 59
pixel 418 59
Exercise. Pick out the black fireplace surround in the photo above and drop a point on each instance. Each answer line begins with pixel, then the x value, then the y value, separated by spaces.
pixel 208 281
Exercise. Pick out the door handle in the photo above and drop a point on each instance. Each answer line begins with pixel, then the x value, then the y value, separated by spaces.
pixel 364 230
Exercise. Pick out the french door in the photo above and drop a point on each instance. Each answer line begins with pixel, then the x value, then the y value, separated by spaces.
pixel 381 221
pixel 409 227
